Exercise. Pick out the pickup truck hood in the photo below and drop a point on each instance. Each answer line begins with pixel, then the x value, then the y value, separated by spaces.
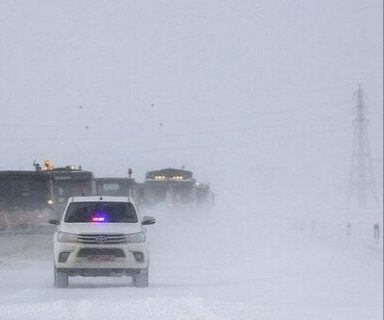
pixel 100 228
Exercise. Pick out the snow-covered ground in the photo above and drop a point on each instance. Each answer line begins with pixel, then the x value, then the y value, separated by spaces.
pixel 224 263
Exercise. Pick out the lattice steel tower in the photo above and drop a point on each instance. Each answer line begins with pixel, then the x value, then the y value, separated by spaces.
pixel 362 181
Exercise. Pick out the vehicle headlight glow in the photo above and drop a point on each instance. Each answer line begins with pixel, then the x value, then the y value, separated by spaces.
pixel 66 237
pixel 135 237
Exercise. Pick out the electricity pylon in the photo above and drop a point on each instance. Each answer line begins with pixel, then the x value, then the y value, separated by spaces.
pixel 362 180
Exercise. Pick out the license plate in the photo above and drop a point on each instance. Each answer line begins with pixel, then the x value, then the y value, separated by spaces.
pixel 101 258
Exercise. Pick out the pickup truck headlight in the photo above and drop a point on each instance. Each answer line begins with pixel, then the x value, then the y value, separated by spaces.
pixel 66 237
pixel 135 237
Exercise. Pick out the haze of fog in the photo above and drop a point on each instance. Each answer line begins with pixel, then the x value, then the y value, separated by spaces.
pixel 254 97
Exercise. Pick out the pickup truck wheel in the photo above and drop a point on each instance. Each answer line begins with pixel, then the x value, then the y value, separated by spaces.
pixel 60 279
pixel 141 280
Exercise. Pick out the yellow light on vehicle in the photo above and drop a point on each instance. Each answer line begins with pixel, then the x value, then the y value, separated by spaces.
pixel 50 201
pixel 48 165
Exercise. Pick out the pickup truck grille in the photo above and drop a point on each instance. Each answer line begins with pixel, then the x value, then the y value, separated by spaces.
pixel 89 252
pixel 101 238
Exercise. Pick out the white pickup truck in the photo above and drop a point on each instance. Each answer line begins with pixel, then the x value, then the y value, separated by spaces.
pixel 101 236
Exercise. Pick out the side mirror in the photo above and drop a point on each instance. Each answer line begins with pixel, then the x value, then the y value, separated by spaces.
pixel 148 220
pixel 54 222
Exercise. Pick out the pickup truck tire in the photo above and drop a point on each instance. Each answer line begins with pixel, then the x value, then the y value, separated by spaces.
pixel 141 280
pixel 60 279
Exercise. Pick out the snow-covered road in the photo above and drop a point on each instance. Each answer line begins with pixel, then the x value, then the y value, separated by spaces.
pixel 225 265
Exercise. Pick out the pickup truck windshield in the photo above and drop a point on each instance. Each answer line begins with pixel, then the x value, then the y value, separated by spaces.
pixel 101 212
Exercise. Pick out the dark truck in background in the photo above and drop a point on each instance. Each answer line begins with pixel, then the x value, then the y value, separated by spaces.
pixel 175 187
pixel 120 187
pixel 25 199
pixel 29 198
pixel 67 182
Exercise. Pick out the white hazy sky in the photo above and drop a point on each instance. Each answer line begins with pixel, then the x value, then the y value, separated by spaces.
pixel 233 90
